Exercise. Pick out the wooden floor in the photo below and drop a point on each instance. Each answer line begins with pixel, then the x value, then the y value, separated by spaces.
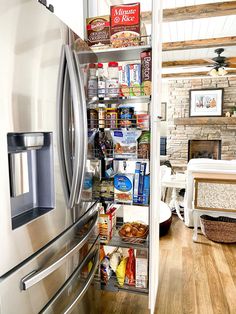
pixel 194 278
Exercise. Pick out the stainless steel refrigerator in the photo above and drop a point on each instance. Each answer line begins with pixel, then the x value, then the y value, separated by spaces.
pixel 48 227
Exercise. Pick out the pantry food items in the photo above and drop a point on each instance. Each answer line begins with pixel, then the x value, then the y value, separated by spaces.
pixel 134 232
pixel 111 118
pixel 126 116
pixel 92 81
pixel 101 81
pixel 125 25
pixel 98 30
pixel 123 188
pixel 144 145
pixel 125 143
pixel 106 224
pixel 146 70
pixel 112 82
pixel 130 269
pixel 141 268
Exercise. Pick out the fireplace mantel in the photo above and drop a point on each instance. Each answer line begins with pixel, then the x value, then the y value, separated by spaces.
pixel 206 121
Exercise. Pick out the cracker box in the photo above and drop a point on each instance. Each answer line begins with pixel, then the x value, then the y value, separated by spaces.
pixel 98 30
pixel 146 72
pixel 141 269
pixel 125 25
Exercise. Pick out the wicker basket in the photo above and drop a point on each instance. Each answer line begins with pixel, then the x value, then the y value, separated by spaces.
pixel 219 229
pixel 134 239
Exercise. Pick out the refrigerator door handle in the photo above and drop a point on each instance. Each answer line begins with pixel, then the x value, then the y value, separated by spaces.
pixel 34 277
pixel 84 132
pixel 77 113
pixel 60 135
pixel 65 128
pixel 93 255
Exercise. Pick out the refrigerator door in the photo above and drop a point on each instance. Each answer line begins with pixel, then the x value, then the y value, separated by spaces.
pixel 44 276
pixel 31 39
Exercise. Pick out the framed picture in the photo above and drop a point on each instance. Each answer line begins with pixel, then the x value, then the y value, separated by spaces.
pixel 163 111
pixel 206 102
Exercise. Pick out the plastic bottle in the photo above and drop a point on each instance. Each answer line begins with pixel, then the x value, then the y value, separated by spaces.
pixel 92 81
pixel 112 82
pixel 101 81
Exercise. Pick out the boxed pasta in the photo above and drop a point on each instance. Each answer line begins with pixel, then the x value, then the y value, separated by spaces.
pixel 125 25
pixel 98 30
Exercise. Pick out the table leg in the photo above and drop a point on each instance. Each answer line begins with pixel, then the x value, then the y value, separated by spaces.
pixel 174 203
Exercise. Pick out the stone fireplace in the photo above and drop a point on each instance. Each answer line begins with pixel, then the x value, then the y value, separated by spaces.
pixel 183 130
pixel 204 149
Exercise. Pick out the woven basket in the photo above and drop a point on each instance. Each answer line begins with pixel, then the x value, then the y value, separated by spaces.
pixel 219 229
pixel 134 239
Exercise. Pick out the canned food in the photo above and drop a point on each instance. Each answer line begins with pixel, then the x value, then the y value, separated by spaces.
pixel 92 115
pixel 111 118
pixel 126 116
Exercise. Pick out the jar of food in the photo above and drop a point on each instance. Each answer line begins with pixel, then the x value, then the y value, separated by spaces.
pixel 92 81
pixel 92 116
pixel 112 82
pixel 126 116
pixel 101 81
pixel 101 116
pixel 111 118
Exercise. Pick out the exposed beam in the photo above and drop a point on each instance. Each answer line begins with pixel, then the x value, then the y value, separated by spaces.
pixel 193 74
pixel 195 12
pixel 199 43
pixel 182 63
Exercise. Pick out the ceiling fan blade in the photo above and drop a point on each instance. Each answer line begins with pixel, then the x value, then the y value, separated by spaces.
pixel 231 59
pixel 209 60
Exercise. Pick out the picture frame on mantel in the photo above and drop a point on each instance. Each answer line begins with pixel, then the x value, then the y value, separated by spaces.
pixel 163 111
pixel 206 102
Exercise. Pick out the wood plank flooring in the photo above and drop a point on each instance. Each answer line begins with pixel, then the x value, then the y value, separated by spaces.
pixel 195 278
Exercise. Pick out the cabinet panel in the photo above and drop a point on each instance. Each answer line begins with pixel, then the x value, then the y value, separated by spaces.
pixel 71 12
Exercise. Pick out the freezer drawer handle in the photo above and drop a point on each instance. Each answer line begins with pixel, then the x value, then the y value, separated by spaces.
pixel 93 255
pixel 33 278
pixel 85 287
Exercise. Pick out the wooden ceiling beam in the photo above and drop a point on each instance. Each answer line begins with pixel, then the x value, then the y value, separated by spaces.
pixel 195 12
pixel 199 43
pixel 183 63
pixel 193 74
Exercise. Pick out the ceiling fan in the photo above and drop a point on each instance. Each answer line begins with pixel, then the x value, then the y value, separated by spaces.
pixel 220 63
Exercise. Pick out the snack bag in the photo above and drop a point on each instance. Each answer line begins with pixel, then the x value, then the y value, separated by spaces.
pixel 125 143
pixel 120 271
pixel 130 269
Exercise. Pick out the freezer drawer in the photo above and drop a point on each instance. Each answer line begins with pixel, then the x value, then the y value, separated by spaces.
pixel 80 294
pixel 37 281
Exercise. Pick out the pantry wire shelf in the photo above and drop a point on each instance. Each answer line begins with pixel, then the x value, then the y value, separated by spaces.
pixel 110 153
pixel 139 91
pixel 140 121
pixel 113 285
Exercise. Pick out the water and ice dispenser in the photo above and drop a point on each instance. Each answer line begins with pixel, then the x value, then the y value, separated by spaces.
pixel 31 175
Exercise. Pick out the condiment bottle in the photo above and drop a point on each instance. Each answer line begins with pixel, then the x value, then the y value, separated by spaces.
pixel 101 81
pixel 112 82
pixel 92 81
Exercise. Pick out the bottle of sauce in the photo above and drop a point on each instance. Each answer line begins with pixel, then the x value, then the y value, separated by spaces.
pixel 112 82
pixel 92 81
pixel 101 81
